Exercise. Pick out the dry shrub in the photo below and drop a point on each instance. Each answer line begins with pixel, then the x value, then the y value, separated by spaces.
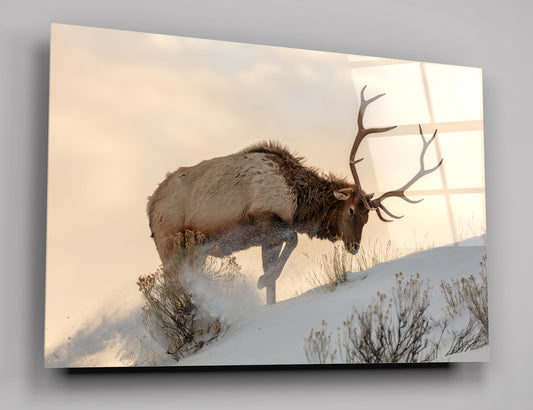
pixel 170 312
pixel 382 334
pixel 399 329
pixel 316 346
pixel 467 294
pixel 390 330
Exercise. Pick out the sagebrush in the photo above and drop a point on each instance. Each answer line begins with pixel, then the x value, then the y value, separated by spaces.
pixel 317 346
pixel 389 330
pixel 471 296
pixel 399 329
pixel 170 312
pixel 392 330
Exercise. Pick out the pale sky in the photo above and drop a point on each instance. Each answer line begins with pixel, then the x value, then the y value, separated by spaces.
pixel 125 108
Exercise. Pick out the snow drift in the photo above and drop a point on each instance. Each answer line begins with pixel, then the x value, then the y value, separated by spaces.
pixel 274 334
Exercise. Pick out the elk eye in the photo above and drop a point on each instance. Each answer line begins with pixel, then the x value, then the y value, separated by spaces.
pixel 351 211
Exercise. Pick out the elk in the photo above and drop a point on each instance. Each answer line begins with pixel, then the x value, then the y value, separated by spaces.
pixel 264 196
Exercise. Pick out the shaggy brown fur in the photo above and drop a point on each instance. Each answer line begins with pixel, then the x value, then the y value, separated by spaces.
pixel 317 208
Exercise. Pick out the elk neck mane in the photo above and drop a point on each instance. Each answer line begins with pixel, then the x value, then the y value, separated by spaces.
pixel 316 211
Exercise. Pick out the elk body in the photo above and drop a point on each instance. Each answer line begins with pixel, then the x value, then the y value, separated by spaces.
pixel 264 196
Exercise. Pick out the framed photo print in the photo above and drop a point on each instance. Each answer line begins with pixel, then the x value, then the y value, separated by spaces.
pixel 214 203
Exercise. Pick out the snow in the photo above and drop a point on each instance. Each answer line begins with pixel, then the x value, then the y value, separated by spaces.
pixel 270 335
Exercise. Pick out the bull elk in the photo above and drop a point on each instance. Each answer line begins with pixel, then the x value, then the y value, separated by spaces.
pixel 263 196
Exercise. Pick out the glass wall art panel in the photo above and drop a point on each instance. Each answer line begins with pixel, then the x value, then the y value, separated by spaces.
pixel 214 203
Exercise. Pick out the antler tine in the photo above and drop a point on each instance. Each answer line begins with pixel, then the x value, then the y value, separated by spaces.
pixel 378 212
pixel 400 193
pixel 362 132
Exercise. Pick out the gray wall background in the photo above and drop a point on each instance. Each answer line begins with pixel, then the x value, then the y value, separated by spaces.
pixel 487 34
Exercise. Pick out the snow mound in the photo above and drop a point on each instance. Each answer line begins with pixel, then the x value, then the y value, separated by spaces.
pixel 272 335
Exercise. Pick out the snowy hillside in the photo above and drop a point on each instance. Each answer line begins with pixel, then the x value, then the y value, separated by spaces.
pixel 274 334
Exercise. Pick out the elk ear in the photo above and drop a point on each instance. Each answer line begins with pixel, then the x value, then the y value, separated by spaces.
pixel 343 194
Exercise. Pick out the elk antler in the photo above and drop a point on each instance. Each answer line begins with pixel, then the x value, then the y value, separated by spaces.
pixel 377 204
pixel 362 132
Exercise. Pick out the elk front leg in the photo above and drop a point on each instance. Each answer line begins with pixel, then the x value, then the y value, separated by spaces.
pixel 274 259
pixel 270 254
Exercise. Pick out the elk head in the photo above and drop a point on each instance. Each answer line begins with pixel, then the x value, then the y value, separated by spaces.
pixel 356 204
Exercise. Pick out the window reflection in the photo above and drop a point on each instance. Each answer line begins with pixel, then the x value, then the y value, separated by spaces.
pixel 443 97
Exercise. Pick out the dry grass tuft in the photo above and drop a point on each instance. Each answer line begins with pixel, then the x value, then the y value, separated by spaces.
pixel 337 263
pixel 334 267
pixel 373 255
